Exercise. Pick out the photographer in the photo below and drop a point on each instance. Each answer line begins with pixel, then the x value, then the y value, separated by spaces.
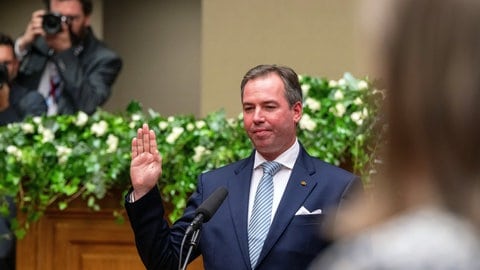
pixel 61 58
pixel 16 102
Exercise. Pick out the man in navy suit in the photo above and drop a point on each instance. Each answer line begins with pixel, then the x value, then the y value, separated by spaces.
pixel 306 190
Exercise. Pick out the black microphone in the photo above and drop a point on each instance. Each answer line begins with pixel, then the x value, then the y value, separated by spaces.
pixel 207 209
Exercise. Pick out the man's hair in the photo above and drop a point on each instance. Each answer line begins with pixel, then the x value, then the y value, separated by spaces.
pixel 87 5
pixel 6 40
pixel 293 90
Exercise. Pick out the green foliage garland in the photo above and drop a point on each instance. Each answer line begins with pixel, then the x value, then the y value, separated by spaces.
pixel 53 160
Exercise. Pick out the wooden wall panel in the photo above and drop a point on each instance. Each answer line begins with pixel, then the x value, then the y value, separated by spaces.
pixel 81 239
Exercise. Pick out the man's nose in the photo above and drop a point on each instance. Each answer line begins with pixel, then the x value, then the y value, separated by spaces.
pixel 259 115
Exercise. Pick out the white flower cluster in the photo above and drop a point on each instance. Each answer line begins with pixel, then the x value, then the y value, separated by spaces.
pixel 200 124
pixel 14 151
pixel 362 85
pixel 47 134
pixel 163 125
pixel 359 116
pixel 305 89
pixel 63 153
pixel 307 123
pixel 28 128
pixel 312 104
pixel 200 151
pixel 112 142
pixel 339 109
pixel 173 136
pixel 82 119
pixel 190 127
pixel 100 128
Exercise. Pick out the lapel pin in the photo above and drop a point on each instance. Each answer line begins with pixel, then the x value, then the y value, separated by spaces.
pixel 303 183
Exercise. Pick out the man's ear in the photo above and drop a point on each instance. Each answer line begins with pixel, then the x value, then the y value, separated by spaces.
pixel 297 111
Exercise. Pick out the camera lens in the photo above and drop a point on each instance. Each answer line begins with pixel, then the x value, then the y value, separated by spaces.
pixel 52 23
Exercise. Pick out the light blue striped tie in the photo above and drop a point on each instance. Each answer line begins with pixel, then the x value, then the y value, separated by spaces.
pixel 262 211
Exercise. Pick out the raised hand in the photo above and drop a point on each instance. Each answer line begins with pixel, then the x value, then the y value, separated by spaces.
pixel 146 164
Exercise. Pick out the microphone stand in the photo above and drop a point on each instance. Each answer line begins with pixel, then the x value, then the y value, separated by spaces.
pixel 193 244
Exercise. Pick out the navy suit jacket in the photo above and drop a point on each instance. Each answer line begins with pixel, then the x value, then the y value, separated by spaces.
pixel 292 242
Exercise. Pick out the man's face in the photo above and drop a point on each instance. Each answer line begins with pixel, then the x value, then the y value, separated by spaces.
pixel 7 57
pixel 267 117
pixel 72 9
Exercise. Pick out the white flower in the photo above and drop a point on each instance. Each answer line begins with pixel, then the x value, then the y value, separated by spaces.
pixel 14 151
pixel 47 135
pixel 338 110
pixel 362 85
pixel 100 128
pixel 82 119
pixel 232 122
pixel 305 88
pixel 190 126
pixel 357 117
pixel 307 123
pixel 63 153
pixel 312 104
pixel 200 124
pixel 163 125
pixel 112 142
pixel 132 125
pixel 365 112
pixel 173 136
pixel 332 84
pixel 342 82
pixel 37 120
pixel 28 128
pixel 171 119
pixel 358 101
pixel 200 151
pixel 11 149
pixel 338 95
pixel 136 117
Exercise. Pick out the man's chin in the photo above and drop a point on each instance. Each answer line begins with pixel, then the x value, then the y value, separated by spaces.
pixel 262 143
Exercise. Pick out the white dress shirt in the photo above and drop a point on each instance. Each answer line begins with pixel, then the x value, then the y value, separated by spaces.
pixel 280 179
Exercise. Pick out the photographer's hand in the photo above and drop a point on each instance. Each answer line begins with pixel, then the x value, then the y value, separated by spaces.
pixel 34 29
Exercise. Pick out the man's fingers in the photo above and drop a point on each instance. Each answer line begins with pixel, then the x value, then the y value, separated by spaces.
pixel 144 142
pixel 152 143
pixel 140 141
pixel 146 138
pixel 134 148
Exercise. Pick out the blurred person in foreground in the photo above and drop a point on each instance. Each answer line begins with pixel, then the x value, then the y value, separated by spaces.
pixel 62 59
pixel 424 212
pixel 303 192
pixel 16 103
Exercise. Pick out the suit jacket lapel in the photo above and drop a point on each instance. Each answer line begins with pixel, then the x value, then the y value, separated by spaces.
pixel 293 198
pixel 238 203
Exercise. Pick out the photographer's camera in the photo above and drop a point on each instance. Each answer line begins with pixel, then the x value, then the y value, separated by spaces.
pixel 52 22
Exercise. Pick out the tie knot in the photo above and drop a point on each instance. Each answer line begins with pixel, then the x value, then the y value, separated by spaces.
pixel 271 167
